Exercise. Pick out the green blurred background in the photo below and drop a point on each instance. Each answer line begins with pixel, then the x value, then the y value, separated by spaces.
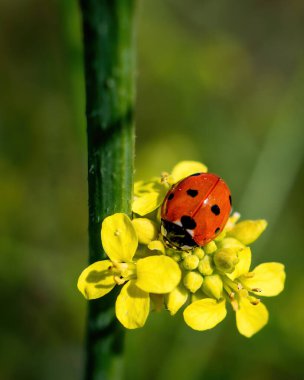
pixel 218 81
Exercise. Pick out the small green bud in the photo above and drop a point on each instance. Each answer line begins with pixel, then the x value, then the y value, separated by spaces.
pixel 220 236
pixel 190 262
pixel 174 254
pixel 185 254
pixel 205 266
pixel 199 252
pixel 213 286
pixel 226 259
pixel 210 247
pixel 193 281
pixel 176 257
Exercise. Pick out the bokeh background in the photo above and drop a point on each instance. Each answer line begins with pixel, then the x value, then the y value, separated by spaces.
pixel 218 81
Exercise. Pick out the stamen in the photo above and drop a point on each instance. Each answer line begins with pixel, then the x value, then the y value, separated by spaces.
pixel 248 275
pixel 166 179
pixel 243 293
pixel 254 300
pixel 230 293
pixel 231 284
pixel 235 305
pixel 258 290
pixel 119 280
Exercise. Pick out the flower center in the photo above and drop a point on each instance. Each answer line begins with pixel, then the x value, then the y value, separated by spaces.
pixel 236 290
pixel 123 272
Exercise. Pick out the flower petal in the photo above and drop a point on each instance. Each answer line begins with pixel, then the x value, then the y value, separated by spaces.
pixel 176 299
pixel 146 230
pixel 242 267
pixel 147 203
pixel 248 231
pixel 148 196
pixel 132 306
pixel 156 245
pixel 96 280
pixel 144 187
pixel 185 168
pixel 157 274
pixel 232 221
pixel 205 314
pixel 118 237
pixel 230 243
pixel 250 318
pixel 269 278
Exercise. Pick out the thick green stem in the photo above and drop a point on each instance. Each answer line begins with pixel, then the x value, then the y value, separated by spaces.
pixel 109 72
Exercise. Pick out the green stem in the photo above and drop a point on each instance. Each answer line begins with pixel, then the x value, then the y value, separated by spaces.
pixel 109 74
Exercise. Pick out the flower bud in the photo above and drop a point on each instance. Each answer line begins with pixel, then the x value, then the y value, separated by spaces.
pixel 193 281
pixel 190 262
pixel 199 252
pixel 205 266
pixel 185 254
pixel 248 230
pixel 176 299
pixel 176 257
pixel 146 230
pixel 230 242
pixel 226 259
pixel 210 247
pixel 213 286
pixel 220 236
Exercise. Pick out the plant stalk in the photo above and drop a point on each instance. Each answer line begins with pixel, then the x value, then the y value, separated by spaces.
pixel 108 29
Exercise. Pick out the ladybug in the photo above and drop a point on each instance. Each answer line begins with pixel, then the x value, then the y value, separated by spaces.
pixel 195 210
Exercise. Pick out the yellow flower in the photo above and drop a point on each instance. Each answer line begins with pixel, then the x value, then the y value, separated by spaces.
pixel 158 274
pixel 204 279
pixel 238 287
pixel 149 195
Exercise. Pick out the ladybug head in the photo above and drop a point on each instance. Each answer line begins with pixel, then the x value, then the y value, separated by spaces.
pixel 176 236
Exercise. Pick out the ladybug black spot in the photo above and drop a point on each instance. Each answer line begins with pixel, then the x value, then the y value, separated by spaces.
pixel 171 196
pixel 187 222
pixel 195 174
pixel 230 200
pixel 192 193
pixel 216 210
pixel 217 230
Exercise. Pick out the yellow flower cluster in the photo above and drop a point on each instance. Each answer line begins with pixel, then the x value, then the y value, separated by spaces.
pixel 204 279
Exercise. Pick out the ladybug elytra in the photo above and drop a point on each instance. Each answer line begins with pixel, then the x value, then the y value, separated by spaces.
pixel 195 210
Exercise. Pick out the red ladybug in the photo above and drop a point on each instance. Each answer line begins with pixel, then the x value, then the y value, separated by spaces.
pixel 195 210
